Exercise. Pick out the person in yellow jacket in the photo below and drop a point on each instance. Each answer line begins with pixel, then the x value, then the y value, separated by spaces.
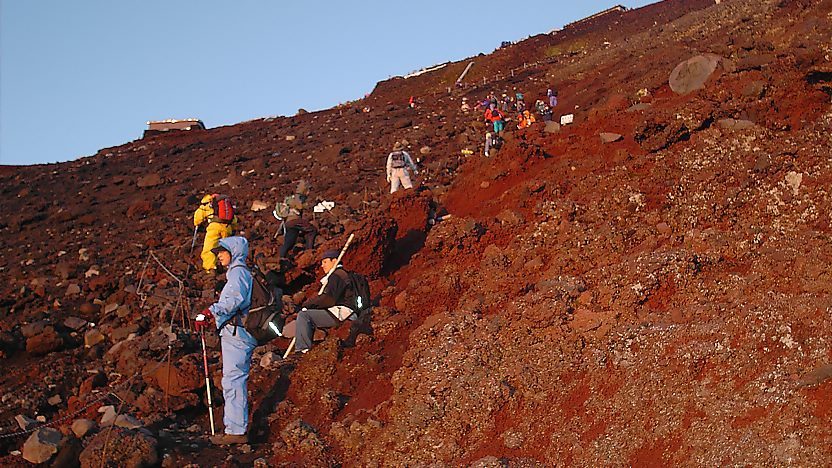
pixel 213 233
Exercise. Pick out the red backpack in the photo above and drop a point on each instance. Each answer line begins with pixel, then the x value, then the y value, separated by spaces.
pixel 223 208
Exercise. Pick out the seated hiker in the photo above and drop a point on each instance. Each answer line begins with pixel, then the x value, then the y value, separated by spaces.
pixel 526 119
pixel 338 302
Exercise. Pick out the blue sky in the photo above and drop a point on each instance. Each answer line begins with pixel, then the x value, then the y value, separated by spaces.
pixel 77 76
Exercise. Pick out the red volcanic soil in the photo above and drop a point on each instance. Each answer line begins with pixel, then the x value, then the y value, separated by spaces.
pixel 662 299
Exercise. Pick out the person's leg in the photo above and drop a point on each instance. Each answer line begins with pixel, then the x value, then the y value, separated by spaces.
pixel 309 237
pixel 405 178
pixel 289 239
pixel 395 181
pixel 213 234
pixel 307 321
pixel 236 362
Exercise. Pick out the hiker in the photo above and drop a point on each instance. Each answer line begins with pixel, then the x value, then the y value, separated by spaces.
pixel 217 211
pixel 290 212
pixel 331 307
pixel 525 119
pixel 412 103
pixel 397 164
pixel 506 103
pixel 552 93
pixel 492 141
pixel 237 344
pixel 465 107
pixel 494 116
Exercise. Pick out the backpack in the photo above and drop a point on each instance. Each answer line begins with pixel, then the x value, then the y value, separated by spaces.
pixel 223 208
pixel 290 205
pixel 357 295
pixel 397 159
pixel 265 320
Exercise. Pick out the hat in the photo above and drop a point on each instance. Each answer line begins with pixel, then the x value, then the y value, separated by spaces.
pixel 397 146
pixel 216 250
pixel 331 253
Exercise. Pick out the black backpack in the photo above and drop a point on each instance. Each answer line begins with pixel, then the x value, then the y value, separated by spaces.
pixel 357 295
pixel 265 320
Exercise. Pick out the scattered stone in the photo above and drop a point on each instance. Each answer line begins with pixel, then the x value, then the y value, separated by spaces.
pixel 485 184
pixel 268 359
pixel 424 150
pixel 642 106
pixel 75 323
pixel 734 124
pixel 817 376
pixel 551 127
pixel 25 422
pixel 45 343
pixel 245 448
pixel 258 205
pixel 42 445
pixel 109 308
pixel 73 290
pixel 692 74
pixel 83 255
pixel 31 329
pixel 290 137
pixel 124 448
pixel 150 180
pixel 607 137
pixel 793 180
pixel 128 422
pixel 109 416
pixel 261 463
pixel 82 427
pixel 93 337
pixel 54 400
pixel 92 271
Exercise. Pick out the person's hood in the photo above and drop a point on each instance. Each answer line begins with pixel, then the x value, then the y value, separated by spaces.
pixel 238 246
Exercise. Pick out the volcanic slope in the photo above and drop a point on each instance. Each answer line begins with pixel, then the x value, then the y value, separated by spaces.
pixel 654 299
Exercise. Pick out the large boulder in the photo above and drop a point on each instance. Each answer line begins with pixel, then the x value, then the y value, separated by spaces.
pixel 692 74
pixel 44 343
pixel 124 447
pixel 42 445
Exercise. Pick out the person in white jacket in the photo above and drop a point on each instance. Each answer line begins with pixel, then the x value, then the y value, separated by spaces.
pixel 398 163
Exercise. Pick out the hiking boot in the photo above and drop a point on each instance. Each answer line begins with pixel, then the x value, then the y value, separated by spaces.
pixel 229 439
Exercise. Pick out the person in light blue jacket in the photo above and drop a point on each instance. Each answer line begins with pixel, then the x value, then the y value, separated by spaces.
pixel 237 343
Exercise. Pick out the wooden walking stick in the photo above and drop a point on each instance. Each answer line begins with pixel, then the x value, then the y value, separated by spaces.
pixel 323 285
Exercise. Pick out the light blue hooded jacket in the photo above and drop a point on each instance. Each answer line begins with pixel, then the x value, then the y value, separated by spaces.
pixel 236 295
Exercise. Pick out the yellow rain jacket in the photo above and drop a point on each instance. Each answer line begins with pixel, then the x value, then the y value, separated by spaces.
pixel 213 233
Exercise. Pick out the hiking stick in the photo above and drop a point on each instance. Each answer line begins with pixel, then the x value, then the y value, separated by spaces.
pixel 323 285
pixel 281 228
pixel 193 241
pixel 207 382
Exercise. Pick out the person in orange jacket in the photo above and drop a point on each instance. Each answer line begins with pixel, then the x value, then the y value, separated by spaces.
pixel 496 117
pixel 526 119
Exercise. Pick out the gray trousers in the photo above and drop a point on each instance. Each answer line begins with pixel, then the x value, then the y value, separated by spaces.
pixel 307 321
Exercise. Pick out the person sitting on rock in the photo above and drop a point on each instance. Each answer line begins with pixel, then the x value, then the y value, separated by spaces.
pixel 330 308
pixel 237 344
pixel 526 119
pixel 217 229
pixel 398 163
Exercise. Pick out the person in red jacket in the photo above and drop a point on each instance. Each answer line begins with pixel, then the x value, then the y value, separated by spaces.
pixel 494 116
